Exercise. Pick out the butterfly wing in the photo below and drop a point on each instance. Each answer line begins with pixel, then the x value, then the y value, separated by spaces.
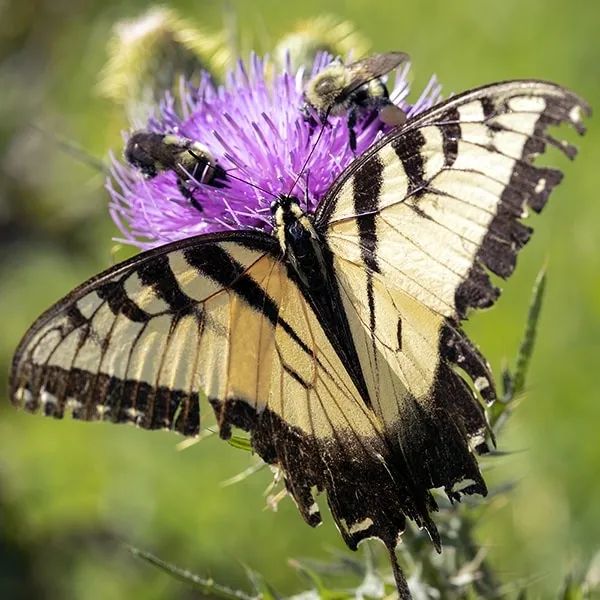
pixel 221 317
pixel 447 193
pixel 217 318
pixel 412 227
pixel 140 342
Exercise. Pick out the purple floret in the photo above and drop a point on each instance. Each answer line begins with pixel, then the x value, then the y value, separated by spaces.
pixel 255 127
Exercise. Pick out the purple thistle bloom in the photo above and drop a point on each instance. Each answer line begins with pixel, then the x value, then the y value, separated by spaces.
pixel 256 130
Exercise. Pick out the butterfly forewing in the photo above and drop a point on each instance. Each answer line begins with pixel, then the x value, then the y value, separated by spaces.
pixel 217 318
pixel 415 223
pixel 141 342
pixel 447 192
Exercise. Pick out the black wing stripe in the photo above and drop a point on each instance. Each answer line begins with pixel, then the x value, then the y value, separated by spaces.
pixel 366 185
pixel 113 292
pixel 220 266
pixel 76 317
pixel 408 149
pixel 528 185
pixel 118 398
pixel 451 134
pixel 159 275
pixel 489 107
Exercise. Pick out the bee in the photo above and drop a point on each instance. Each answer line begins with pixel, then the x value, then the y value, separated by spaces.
pixel 153 153
pixel 353 88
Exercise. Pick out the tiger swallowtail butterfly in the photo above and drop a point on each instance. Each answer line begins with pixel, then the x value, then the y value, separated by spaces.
pixel 336 341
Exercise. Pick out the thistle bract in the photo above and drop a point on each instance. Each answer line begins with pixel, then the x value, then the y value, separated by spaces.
pixel 257 128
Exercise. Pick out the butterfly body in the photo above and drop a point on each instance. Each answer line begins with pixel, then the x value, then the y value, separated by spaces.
pixel 299 242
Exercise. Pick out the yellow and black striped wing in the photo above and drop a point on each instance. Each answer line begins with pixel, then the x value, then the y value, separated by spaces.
pixel 144 341
pixel 354 391
pixel 413 227
pixel 433 207
pixel 141 342
pixel 215 318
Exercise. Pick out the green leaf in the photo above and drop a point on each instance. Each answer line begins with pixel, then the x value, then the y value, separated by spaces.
pixel 251 470
pixel 527 344
pixel 572 591
pixel 514 384
pixel 319 588
pixel 263 589
pixel 241 442
pixel 205 586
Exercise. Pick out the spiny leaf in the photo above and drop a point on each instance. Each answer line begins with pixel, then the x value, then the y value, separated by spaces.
pixel 513 385
pixel 527 344
pixel 205 586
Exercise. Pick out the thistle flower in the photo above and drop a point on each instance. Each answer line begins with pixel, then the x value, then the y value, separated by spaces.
pixel 257 130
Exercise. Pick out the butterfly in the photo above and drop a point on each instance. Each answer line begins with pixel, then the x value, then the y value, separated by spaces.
pixel 336 341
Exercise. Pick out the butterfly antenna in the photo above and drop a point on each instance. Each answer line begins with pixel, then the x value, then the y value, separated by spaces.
pixel 261 189
pixel 401 583
pixel 312 150
pixel 306 190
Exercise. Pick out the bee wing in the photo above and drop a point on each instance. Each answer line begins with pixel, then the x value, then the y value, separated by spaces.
pixel 372 67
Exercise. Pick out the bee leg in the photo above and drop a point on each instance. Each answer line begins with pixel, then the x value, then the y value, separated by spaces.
pixel 186 192
pixel 309 116
pixel 351 130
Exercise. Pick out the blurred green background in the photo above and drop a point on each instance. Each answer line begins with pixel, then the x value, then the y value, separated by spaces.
pixel 72 494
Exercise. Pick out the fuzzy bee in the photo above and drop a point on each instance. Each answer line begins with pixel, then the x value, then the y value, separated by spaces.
pixel 153 153
pixel 350 89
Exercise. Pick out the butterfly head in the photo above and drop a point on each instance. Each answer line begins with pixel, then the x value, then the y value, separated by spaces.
pixel 291 225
